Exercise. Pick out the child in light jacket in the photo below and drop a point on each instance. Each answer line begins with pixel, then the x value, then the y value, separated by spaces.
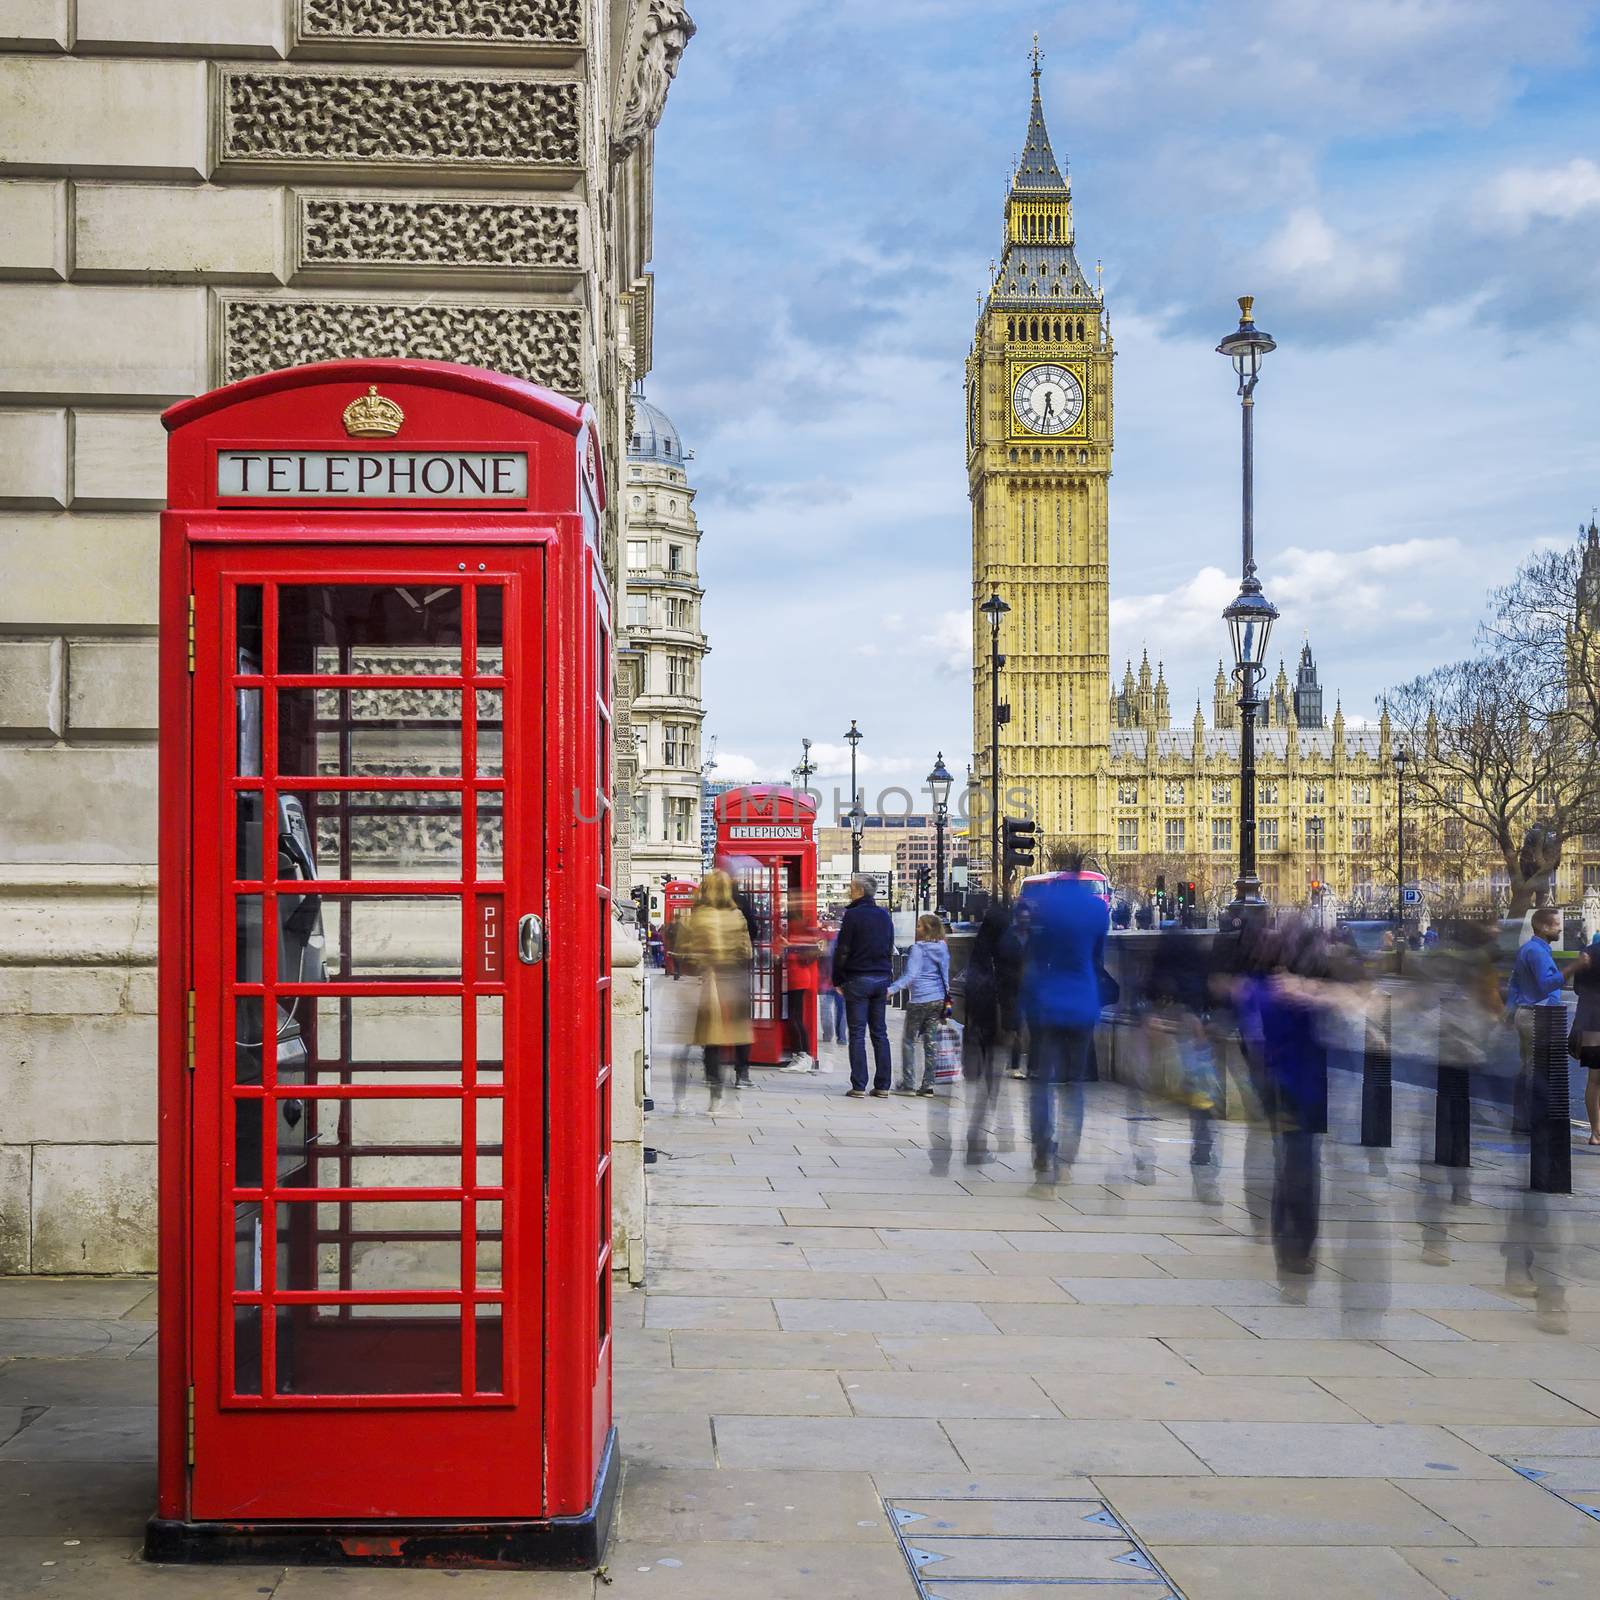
pixel 927 977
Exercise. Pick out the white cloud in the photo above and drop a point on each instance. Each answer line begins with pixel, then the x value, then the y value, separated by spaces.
pixel 1322 267
pixel 1521 195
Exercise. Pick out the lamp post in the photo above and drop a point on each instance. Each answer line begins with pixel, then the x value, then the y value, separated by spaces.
pixel 858 817
pixel 939 781
pixel 1251 615
pixel 994 608
pixel 1402 760
pixel 807 766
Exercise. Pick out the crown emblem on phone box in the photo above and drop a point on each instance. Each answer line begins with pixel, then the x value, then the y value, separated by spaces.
pixel 373 416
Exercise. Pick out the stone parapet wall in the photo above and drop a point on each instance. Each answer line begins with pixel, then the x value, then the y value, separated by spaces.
pixel 192 191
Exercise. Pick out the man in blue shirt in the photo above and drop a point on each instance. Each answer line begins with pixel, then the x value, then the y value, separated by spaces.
pixel 1067 923
pixel 1535 978
pixel 863 963
pixel 1535 983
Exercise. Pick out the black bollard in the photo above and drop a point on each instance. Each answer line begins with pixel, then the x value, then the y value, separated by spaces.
pixel 1550 1131
pixel 1452 1118
pixel 1377 1083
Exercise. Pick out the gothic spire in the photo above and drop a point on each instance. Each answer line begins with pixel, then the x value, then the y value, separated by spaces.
pixel 1037 172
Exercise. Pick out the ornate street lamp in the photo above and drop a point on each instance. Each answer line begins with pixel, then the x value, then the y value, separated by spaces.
pixel 1251 615
pixel 939 782
pixel 1402 760
pixel 994 608
pixel 857 818
pixel 853 738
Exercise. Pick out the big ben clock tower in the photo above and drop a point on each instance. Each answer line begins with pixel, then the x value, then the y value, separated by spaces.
pixel 1038 461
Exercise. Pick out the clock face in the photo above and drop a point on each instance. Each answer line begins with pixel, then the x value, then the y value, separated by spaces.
pixel 1048 399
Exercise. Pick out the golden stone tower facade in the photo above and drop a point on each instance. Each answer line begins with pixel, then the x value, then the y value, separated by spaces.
pixel 1038 461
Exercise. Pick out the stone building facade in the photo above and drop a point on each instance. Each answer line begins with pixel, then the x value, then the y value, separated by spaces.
pixel 662 664
pixel 192 191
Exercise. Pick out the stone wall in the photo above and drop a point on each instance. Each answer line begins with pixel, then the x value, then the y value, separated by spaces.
pixel 192 191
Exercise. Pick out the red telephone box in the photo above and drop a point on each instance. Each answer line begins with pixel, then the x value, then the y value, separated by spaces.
pixel 386 738
pixel 766 839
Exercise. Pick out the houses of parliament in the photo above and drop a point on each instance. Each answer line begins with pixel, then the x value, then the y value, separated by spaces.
pixel 1101 764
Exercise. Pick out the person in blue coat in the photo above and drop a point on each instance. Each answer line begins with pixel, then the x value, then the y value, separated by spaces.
pixel 1067 923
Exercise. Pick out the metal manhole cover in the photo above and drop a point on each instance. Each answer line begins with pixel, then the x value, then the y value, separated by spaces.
pixel 991 1549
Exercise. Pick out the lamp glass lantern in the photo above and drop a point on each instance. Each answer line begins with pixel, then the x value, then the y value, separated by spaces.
pixel 994 608
pixel 1247 346
pixel 856 816
pixel 939 783
pixel 1250 620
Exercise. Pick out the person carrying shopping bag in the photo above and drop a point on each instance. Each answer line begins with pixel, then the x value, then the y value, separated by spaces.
pixel 927 978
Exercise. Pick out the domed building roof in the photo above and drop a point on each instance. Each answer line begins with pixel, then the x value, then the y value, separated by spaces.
pixel 655 436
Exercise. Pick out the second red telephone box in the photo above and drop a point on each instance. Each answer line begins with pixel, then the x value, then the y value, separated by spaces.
pixel 766 838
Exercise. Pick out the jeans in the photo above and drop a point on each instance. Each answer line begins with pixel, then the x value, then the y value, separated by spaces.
pixel 1058 1062
pixel 831 1002
pixel 1296 1199
pixel 922 1017
pixel 865 1005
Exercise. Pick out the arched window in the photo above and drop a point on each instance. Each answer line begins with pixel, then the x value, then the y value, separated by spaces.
pixel 1011 327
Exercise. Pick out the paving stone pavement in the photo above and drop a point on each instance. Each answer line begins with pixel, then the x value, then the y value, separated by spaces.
pixel 838 1316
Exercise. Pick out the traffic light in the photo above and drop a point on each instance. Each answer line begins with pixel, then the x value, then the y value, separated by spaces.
pixel 924 884
pixel 1161 896
pixel 640 895
pixel 1019 841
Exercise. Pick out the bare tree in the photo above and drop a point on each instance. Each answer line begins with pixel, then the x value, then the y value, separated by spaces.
pixel 1499 749
pixel 1546 623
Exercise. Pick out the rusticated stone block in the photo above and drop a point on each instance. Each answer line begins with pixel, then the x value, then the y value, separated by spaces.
pixel 111 687
pixel 121 118
pixel 364 233
pixel 34 24
pixel 94 1206
pixel 192 234
pixel 16 1206
pixel 318 116
pixel 100 571
pixel 539 343
pixel 181 27
pixel 78 804
pixel 119 460
pixel 33 458
pixel 30 688
pixel 33 230
pixel 101 342
pixel 443 21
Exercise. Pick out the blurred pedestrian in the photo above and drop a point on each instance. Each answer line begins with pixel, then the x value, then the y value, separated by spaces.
pixel 863 963
pixel 715 944
pixel 830 1003
pixel 1060 1002
pixel 927 980
pixel 1292 1005
pixel 987 1109
pixel 1536 982
pixel 802 947
pixel 1584 1040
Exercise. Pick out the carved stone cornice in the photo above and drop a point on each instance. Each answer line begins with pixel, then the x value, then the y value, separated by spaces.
pixel 658 34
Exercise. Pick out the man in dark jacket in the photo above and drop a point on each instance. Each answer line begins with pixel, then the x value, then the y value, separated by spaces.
pixel 863 963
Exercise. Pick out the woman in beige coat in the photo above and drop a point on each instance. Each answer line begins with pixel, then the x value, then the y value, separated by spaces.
pixel 715 944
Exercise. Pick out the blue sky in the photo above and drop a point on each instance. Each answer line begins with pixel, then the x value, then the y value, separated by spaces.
pixel 1411 189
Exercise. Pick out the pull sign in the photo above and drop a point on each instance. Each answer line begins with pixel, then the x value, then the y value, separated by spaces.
pixel 491 939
